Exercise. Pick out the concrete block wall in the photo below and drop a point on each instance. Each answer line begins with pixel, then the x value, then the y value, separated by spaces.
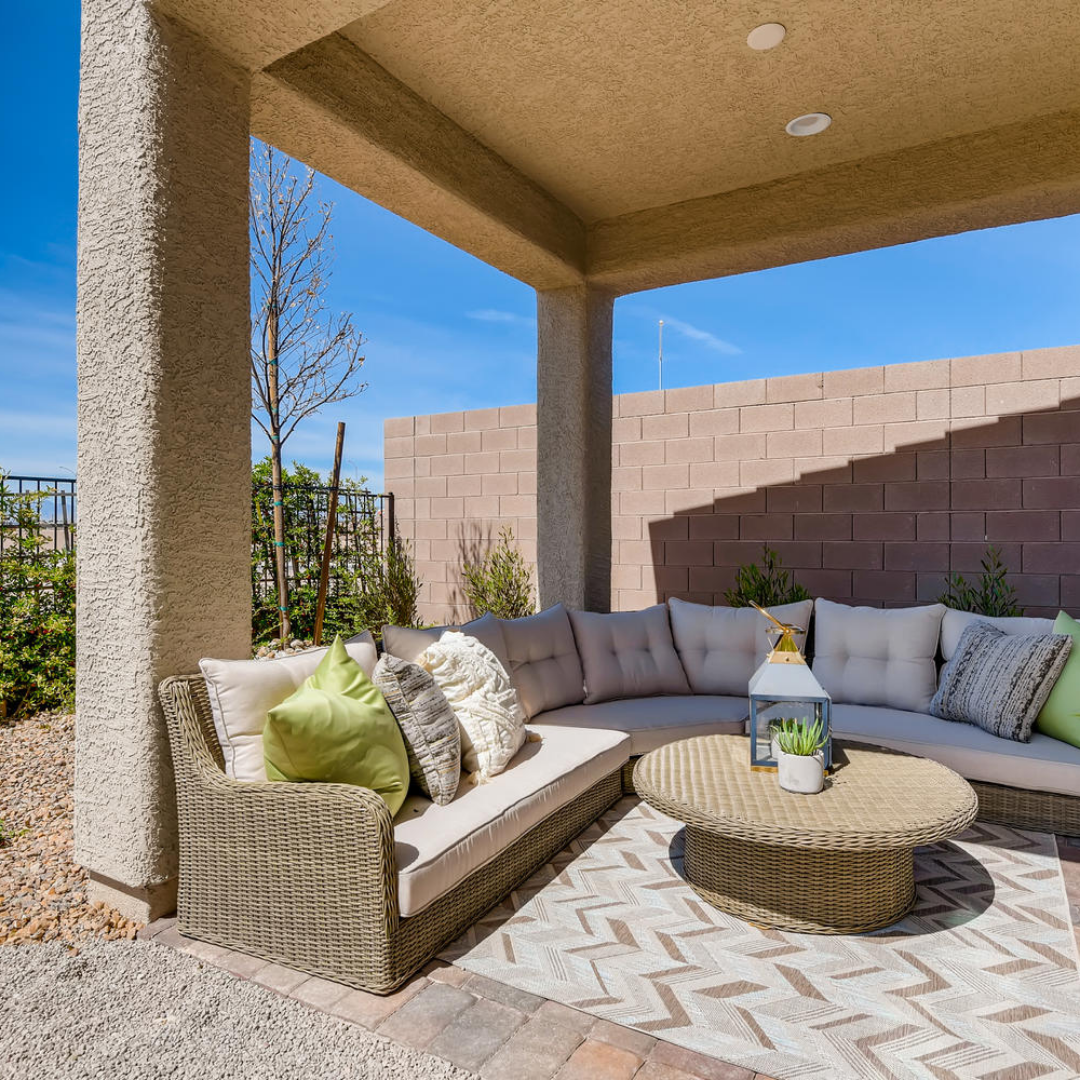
pixel 873 484
pixel 457 479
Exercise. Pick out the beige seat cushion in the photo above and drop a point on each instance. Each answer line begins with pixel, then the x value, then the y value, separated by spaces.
pixel 956 622
pixel 438 846
pixel 871 656
pixel 628 654
pixel 544 661
pixel 653 722
pixel 408 642
pixel 1044 764
pixel 242 692
pixel 721 647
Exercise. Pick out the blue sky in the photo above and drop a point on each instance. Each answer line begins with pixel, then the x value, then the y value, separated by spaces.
pixel 447 332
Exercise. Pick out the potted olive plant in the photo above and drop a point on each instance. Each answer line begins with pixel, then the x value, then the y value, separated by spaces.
pixel 801 764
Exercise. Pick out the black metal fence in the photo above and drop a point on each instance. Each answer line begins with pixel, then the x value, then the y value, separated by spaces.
pixel 364 525
pixel 56 510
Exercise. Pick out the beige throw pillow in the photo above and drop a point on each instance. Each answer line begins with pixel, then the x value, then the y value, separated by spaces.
pixel 483 699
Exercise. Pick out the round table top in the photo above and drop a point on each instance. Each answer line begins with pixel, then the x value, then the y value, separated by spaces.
pixel 875 798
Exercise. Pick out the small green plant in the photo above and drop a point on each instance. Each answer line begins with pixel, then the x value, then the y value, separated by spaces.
pixel 767 585
pixel 800 737
pixel 501 582
pixel 990 594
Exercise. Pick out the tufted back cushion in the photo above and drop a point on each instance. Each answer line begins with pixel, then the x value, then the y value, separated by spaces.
pixel 628 654
pixel 544 661
pixel 408 642
pixel 956 622
pixel 721 647
pixel 871 656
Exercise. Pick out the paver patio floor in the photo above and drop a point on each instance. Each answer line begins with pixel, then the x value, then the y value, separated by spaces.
pixel 497 1031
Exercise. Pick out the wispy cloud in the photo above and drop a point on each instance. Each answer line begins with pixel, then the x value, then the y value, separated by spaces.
pixel 494 315
pixel 703 337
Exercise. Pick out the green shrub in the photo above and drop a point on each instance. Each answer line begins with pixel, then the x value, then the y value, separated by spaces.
pixel 989 595
pixel 501 582
pixel 37 612
pixel 768 585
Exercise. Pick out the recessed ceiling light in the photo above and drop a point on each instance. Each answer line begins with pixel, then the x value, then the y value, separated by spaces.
pixel 766 36
pixel 810 124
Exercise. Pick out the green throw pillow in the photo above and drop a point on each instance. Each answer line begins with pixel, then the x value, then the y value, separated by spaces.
pixel 1060 716
pixel 337 728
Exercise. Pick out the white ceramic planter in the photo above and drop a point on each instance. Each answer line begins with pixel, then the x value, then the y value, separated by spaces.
pixel 803 775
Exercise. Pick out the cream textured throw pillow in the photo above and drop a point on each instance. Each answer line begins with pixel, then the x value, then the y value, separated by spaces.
pixel 482 697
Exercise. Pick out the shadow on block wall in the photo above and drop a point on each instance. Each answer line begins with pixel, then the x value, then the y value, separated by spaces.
pixel 885 529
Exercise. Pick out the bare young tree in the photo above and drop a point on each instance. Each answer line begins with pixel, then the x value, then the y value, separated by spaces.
pixel 303 356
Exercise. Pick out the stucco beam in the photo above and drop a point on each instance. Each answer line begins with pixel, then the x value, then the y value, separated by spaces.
pixel 1019 172
pixel 335 108
pixel 254 35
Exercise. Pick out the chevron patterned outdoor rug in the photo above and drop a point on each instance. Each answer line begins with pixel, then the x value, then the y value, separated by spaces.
pixel 980 982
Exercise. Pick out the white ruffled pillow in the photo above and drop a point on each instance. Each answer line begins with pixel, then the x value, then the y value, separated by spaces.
pixel 483 698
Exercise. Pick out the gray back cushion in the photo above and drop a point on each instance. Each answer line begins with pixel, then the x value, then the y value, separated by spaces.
pixel 956 622
pixel 408 642
pixel 721 647
pixel 871 656
pixel 544 662
pixel 1000 681
pixel 628 654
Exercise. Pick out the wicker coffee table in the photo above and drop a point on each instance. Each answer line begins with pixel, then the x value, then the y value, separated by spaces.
pixel 840 862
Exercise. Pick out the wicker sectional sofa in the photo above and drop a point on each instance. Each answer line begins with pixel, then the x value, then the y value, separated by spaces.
pixel 320 878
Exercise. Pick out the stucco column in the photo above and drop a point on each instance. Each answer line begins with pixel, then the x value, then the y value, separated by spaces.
pixel 573 451
pixel 164 463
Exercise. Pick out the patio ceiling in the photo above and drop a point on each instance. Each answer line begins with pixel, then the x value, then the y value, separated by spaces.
pixel 639 144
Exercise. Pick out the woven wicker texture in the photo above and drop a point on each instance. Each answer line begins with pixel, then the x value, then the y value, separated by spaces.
pixel 1040 810
pixel 305 874
pixel 874 799
pixel 838 862
pixel 802 892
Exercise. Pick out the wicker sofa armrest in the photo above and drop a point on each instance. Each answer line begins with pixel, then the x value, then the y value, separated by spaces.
pixel 302 873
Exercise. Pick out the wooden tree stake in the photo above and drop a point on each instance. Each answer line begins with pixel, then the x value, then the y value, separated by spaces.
pixel 331 521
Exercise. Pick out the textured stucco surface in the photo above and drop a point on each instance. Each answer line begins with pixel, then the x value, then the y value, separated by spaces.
pixel 1017 172
pixel 333 106
pixel 254 34
pixel 638 145
pixel 617 106
pixel 573 447
pixel 163 413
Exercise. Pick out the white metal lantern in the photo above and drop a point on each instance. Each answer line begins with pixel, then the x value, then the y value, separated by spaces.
pixel 780 690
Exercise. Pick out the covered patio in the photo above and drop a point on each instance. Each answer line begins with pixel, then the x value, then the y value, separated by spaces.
pixel 589 150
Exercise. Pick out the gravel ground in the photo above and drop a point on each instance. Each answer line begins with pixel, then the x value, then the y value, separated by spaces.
pixel 140 1011
pixel 42 891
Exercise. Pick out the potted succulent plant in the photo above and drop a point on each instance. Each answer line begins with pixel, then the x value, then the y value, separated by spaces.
pixel 801 764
